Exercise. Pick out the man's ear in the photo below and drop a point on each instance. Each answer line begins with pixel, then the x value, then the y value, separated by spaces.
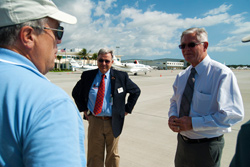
pixel 27 35
pixel 205 45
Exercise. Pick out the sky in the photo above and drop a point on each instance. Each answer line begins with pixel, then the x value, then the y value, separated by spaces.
pixel 151 29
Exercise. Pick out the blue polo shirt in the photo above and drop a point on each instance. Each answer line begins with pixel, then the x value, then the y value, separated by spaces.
pixel 39 123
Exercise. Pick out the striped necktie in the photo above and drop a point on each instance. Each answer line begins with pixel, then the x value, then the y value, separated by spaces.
pixel 100 97
pixel 187 95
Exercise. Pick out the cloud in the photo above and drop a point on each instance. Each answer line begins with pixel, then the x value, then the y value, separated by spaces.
pixel 207 21
pixel 141 33
pixel 221 49
pixel 230 44
pixel 82 9
pixel 222 9
pixel 242 28
pixel 103 6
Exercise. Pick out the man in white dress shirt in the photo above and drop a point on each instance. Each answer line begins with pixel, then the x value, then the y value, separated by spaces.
pixel 215 106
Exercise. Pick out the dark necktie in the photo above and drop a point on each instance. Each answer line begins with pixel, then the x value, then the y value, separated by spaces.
pixel 100 97
pixel 187 95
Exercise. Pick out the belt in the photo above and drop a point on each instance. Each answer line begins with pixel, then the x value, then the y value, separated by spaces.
pixel 188 140
pixel 103 117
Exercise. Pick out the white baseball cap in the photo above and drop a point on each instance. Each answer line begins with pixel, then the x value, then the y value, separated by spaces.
pixel 14 12
pixel 246 39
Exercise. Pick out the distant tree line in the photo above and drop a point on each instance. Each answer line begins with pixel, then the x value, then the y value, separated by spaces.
pixel 230 66
pixel 235 66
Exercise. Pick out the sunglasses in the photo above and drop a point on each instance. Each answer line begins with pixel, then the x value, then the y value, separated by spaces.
pixel 190 45
pixel 59 31
pixel 106 61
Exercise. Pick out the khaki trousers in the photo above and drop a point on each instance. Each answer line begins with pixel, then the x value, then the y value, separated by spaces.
pixel 100 136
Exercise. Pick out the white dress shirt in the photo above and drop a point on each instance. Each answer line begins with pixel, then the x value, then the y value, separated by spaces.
pixel 217 103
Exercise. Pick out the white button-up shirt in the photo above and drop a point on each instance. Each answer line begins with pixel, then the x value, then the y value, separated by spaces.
pixel 217 103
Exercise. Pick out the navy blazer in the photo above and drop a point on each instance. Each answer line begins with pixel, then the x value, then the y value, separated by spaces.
pixel 118 80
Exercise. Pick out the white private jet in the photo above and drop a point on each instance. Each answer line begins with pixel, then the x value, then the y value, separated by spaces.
pixel 131 67
pixel 81 67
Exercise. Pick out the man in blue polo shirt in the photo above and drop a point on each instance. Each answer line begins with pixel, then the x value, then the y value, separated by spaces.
pixel 39 123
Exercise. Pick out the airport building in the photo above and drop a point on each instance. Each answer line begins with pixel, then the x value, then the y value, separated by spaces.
pixel 162 64
pixel 63 58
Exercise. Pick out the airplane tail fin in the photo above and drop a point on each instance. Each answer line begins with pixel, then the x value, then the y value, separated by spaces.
pixel 136 62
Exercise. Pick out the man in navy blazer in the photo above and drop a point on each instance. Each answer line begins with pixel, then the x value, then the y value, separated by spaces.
pixel 105 128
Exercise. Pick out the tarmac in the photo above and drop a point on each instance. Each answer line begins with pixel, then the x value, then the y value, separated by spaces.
pixel 146 140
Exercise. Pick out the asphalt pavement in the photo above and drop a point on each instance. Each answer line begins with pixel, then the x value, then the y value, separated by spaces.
pixel 146 139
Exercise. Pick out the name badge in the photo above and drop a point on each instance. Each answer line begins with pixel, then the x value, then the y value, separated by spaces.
pixel 120 90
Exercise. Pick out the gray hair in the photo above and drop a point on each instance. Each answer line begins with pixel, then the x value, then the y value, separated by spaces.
pixel 200 33
pixel 9 34
pixel 105 51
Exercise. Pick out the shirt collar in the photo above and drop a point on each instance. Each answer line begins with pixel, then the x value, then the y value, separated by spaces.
pixel 107 74
pixel 202 65
pixel 11 57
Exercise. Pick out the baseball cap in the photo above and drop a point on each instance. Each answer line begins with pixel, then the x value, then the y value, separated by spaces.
pixel 246 39
pixel 14 12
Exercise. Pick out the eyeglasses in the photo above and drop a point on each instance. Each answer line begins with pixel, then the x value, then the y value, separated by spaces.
pixel 59 31
pixel 106 61
pixel 190 45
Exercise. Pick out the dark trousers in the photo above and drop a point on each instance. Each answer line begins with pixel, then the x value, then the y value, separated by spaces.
pixel 202 154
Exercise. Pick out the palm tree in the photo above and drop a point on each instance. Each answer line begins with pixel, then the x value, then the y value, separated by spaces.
pixel 58 57
pixel 83 53
pixel 94 57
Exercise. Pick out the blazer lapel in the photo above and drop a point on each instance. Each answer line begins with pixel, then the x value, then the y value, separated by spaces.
pixel 91 78
pixel 112 75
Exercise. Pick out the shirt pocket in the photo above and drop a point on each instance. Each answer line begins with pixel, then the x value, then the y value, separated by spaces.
pixel 201 103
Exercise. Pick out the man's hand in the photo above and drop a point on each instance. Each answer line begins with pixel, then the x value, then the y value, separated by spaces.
pixel 180 124
pixel 185 123
pixel 172 124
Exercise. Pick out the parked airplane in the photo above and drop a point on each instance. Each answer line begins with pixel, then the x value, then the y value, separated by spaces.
pixel 131 67
pixel 127 67
pixel 81 67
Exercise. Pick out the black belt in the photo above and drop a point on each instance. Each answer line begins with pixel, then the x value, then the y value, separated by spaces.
pixel 188 140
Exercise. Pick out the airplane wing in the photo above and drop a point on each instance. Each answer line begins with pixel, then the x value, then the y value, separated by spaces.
pixel 131 68
pixel 76 66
